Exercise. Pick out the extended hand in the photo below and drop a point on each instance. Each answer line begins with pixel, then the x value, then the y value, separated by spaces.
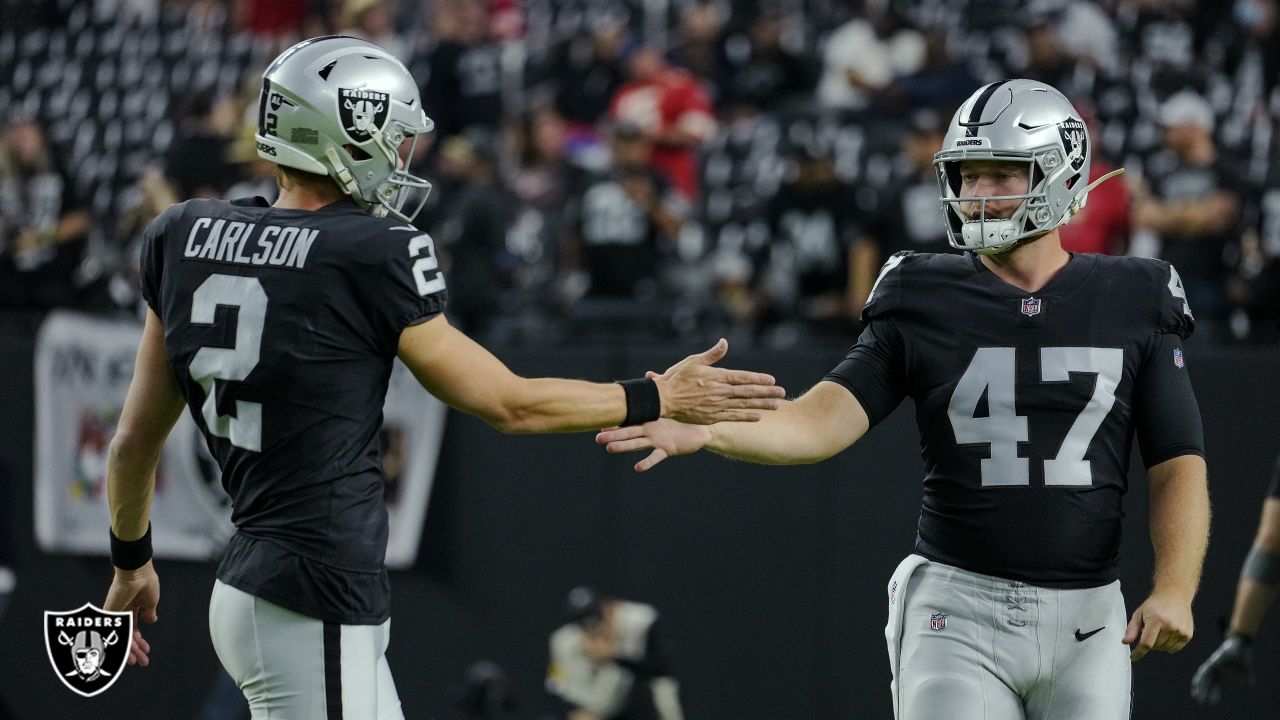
pixel 693 391
pixel 1232 660
pixel 139 591
pixel 1161 623
pixel 668 438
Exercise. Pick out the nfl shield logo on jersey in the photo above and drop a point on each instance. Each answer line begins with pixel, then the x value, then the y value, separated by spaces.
pixel 1030 306
pixel 938 621
pixel 88 647
pixel 1177 358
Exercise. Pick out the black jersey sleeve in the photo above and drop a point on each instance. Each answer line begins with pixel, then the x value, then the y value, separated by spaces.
pixel 873 370
pixel 1166 412
pixel 151 260
pixel 410 287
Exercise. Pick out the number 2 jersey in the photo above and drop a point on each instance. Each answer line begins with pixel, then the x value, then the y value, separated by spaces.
pixel 1028 403
pixel 282 327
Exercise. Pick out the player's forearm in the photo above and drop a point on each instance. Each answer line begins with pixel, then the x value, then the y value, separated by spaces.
pixel 131 477
pixel 1253 599
pixel 1179 509
pixel 1260 573
pixel 543 405
pixel 786 436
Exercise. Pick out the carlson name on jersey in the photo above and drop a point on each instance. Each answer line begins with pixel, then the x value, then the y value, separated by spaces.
pixel 281 326
pixel 235 241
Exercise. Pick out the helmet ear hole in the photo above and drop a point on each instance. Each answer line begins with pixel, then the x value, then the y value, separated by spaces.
pixel 356 153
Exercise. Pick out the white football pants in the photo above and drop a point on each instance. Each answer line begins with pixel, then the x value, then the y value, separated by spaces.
pixel 967 646
pixel 294 667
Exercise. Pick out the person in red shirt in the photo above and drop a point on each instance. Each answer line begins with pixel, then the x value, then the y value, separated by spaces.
pixel 1102 225
pixel 669 105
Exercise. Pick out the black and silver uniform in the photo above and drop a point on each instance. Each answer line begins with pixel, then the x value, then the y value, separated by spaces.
pixel 1027 403
pixel 282 326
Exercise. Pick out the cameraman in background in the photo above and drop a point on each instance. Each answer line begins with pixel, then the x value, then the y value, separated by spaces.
pixel 610 662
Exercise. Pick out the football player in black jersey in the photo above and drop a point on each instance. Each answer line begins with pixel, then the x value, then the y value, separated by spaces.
pixel 1259 583
pixel 1031 370
pixel 278 326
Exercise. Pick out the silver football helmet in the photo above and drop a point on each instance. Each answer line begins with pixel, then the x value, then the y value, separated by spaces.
pixel 343 107
pixel 1021 121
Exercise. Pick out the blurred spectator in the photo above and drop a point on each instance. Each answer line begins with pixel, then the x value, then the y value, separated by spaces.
pixel 543 181
pixel 697 42
pixel 757 70
pixel 1193 205
pixel 1256 290
pixel 1162 38
pixel 464 86
pixel 941 82
pixel 864 55
pixel 197 159
pixel 155 194
pixel 906 214
pixel 251 175
pixel 1047 61
pixel 672 109
pixel 588 70
pixel 621 225
pixel 1088 35
pixel 610 662
pixel 1103 224
pixel 805 270
pixel 279 17
pixel 472 230
pixel 43 225
pixel 374 20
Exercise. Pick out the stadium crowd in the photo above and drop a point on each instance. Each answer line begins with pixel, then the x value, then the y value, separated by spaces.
pixel 655 168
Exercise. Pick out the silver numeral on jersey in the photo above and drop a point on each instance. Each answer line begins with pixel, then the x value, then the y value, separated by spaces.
pixel 1176 290
pixel 428 263
pixel 993 371
pixel 235 363
pixel 1056 365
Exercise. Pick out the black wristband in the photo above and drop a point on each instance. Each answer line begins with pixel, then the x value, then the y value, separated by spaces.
pixel 131 554
pixel 644 404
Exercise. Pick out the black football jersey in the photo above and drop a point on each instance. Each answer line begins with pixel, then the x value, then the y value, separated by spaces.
pixel 1027 403
pixel 282 327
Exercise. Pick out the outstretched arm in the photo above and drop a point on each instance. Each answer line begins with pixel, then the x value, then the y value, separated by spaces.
pixel 456 369
pixel 1179 507
pixel 151 408
pixel 1260 577
pixel 813 427
pixel 1259 581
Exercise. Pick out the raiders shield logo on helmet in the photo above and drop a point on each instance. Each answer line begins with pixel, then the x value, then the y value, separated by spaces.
pixel 88 646
pixel 361 112
pixel 1075 140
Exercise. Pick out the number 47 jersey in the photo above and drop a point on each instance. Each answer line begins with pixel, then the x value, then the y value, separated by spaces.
pixel 1028 403
pixel 282 326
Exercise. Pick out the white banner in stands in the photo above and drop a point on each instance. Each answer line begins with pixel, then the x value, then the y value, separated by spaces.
pixel 83 365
